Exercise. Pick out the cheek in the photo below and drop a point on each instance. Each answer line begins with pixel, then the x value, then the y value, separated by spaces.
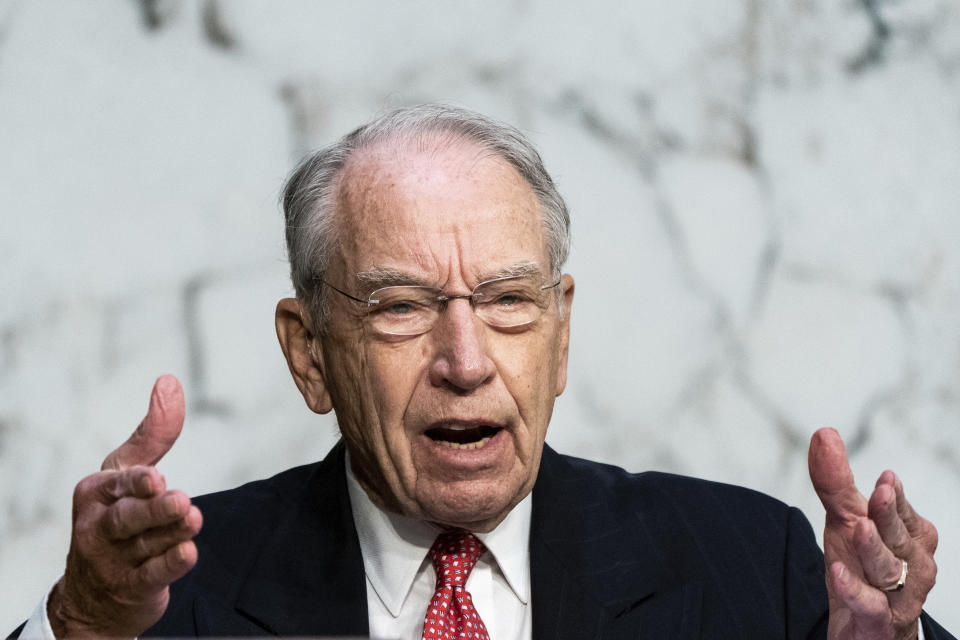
pixel 392 376
pixel 345 379
pixel 529 372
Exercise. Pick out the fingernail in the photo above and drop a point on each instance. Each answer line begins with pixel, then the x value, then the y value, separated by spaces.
pixel 170 505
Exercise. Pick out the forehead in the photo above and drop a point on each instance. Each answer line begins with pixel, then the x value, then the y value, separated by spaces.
pixel 436 209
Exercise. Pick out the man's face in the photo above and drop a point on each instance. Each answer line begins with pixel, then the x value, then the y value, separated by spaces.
pixel 447 426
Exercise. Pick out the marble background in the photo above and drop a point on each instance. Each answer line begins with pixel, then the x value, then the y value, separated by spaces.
pixel 766 205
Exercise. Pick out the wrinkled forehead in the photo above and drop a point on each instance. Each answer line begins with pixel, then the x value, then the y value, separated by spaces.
pixel 421 203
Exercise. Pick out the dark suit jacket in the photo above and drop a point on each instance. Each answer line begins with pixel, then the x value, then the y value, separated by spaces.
pixel 612 555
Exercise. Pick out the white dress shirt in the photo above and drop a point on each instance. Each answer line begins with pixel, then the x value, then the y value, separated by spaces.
pixel 401 579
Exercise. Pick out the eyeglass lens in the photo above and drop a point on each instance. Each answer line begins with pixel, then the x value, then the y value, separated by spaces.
pixel 411 310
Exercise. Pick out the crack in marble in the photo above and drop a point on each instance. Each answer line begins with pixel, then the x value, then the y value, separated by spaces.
pixel 770 251
pixel 493 75
pixel 24 516
pixel 901 297
pixel 863 426
pixel 734 107
pixel 950 458
pixel 698 386
pixel 767 265
pixel 897 296
pixel 304 105
pixel 786 429
pixel 200 399
pixel 700 380
pixel 640 154
pixel 748 148
pixel 874 51
pixel 898 293
pixel 215 28
pixel 155 14
pixel 626 145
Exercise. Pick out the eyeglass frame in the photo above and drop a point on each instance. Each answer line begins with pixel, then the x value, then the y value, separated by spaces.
pixel 443 299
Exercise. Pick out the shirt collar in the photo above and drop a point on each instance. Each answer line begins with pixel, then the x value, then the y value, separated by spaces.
pixel 394 547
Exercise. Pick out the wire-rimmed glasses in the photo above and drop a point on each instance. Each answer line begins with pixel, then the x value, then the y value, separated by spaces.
pixel 410 310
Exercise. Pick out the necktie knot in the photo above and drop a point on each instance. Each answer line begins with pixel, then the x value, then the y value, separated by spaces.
pixel 454 555
pixel 451 614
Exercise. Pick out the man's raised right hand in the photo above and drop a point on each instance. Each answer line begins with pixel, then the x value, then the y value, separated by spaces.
pixel 131 536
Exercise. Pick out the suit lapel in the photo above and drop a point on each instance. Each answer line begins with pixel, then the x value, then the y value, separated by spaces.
pixel 595 574
pixel 308 578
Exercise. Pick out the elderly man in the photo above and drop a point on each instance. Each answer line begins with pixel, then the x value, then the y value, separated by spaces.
pixel 433 317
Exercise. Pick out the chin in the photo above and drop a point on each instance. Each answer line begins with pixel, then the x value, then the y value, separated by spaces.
pixel 465 505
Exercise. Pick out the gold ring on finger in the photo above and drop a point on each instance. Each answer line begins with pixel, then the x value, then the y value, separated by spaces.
pixel 898 585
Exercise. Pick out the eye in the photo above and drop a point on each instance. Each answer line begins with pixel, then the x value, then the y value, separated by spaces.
pixel 400 308
pixel 403 310
pixel 507 295
pixel 509 299
pixel 397 303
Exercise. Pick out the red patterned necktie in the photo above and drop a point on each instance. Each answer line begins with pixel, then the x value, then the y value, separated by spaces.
pixel 451 615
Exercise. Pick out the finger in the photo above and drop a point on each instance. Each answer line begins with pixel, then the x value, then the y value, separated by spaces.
pixel 884 513
pixel 173 564
pixel 128 516
pixel 832 478
pixel 109 486
pixel 869 607
pixel 881 567
pixel 915 525
pixel 157 431
pixel 155 542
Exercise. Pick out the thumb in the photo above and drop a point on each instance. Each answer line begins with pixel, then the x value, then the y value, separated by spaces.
pixel 157 431
pixel 831 476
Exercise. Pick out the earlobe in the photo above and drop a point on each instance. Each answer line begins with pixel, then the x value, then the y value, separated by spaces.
pixel 563 345
pixel 304 357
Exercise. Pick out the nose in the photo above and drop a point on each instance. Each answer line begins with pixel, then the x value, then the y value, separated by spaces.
pixel 461 360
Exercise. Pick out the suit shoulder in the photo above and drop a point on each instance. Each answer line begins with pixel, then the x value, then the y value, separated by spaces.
pixel 617 478
pixel 675 496
pixel 270 492
pixel 255 508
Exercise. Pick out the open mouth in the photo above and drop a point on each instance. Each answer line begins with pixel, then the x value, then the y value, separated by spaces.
pixel 462 436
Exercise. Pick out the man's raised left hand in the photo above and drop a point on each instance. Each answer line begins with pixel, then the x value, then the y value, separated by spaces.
pixel 865 543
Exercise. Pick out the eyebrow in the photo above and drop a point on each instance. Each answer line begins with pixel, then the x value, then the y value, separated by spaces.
pixel 518 270
pixel 379 277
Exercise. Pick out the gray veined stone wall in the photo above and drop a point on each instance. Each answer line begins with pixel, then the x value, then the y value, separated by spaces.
pixel 766 208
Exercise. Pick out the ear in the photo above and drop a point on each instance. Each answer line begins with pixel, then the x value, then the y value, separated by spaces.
pixel 563 347
pixel 302 350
